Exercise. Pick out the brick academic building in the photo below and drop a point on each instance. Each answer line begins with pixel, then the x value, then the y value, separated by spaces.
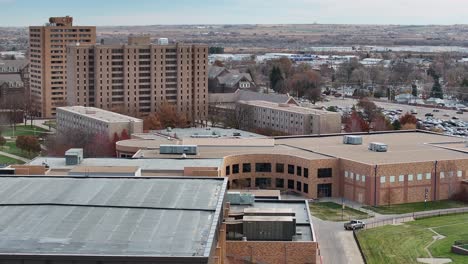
pixel 417 166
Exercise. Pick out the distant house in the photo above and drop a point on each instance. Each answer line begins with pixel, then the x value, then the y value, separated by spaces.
pixel 14 77
pixel 406 98
pixel 245 95
pixel 222 80
pixel 11 86
pixel 435 101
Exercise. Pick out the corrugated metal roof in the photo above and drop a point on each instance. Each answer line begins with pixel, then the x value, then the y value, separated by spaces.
pixel 98 216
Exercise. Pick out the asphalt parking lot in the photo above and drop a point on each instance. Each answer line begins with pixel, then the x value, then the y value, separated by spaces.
pixel 421 111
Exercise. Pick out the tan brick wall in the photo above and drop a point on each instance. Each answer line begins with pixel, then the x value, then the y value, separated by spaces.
pixel 29 169
pixel 48 60
pixel 139 79
pixel 272 252
pixel 311 165
pixel 201 171
pixel 350 187
pixel 404 191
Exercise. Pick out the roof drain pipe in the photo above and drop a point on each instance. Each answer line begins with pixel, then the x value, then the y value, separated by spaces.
pixel 375 185
pixel 435 181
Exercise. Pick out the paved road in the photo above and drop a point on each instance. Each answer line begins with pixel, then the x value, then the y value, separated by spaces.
pixel 348 102
pixel 14 156
pixel 336 245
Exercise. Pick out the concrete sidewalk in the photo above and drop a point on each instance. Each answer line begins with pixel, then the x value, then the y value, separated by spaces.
pixel 40 123
pixel 351 204
pixel 14 156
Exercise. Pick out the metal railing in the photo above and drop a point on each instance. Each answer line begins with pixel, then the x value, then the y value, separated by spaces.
pixel 416 215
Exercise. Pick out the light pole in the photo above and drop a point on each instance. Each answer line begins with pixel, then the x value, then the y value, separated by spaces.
pixel 342 208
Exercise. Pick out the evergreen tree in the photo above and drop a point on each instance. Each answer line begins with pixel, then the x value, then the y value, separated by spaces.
pixel 275 77
pixel 396 124
pixel 414 90
pixel 437 89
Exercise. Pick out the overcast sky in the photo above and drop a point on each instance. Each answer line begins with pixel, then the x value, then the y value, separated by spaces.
pixel 150 12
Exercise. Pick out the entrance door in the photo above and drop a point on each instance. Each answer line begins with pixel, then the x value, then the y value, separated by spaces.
pixel 324 190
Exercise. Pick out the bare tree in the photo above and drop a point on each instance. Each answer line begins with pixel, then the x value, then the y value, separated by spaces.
pixel 360 76
pixel 345 71
pixel 240 117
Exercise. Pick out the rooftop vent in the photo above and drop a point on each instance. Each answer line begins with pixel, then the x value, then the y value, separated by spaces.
pixel 352 140
pixel 178 149
pixel 378 147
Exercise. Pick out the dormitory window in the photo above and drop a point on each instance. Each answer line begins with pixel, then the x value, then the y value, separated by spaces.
pixel 290 169
pixel 279 167
pixel 306 173
pixel 324 173
pixel 306 188
pixel 262 167
pixel 235 168
pixel 228 170
pixel 299 171
pixel 279 183
pixel 246 167
pixel 298 186
pixel 290 184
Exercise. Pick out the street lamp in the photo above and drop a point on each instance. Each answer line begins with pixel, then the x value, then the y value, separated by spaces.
pixel 342 208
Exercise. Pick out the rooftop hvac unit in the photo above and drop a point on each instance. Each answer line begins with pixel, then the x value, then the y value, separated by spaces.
pixel 255 211
pixel 352 140
pixel 239 198
pixel 73 156
pixel 163 41
pixel 178 149
pixel 378 147
pixel 269 228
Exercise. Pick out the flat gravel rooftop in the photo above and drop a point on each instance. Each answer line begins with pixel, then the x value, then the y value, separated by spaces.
pixel 109 216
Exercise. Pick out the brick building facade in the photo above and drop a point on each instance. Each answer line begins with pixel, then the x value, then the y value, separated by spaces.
pixel 48 61
pixel 139 77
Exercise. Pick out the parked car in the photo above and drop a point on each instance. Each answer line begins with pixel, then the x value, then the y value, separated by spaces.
pixel 354 224
pixel 455 118
pixel 446 115
pixel 436 110
pixel 460 112
pixel 429 114
pixel 414 112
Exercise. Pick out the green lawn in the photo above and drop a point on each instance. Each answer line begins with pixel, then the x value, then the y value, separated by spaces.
pixel 415 207
pixel 10 147
pixel 405 243
pixel 7 160
pixel 22 130
pixel 333 212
